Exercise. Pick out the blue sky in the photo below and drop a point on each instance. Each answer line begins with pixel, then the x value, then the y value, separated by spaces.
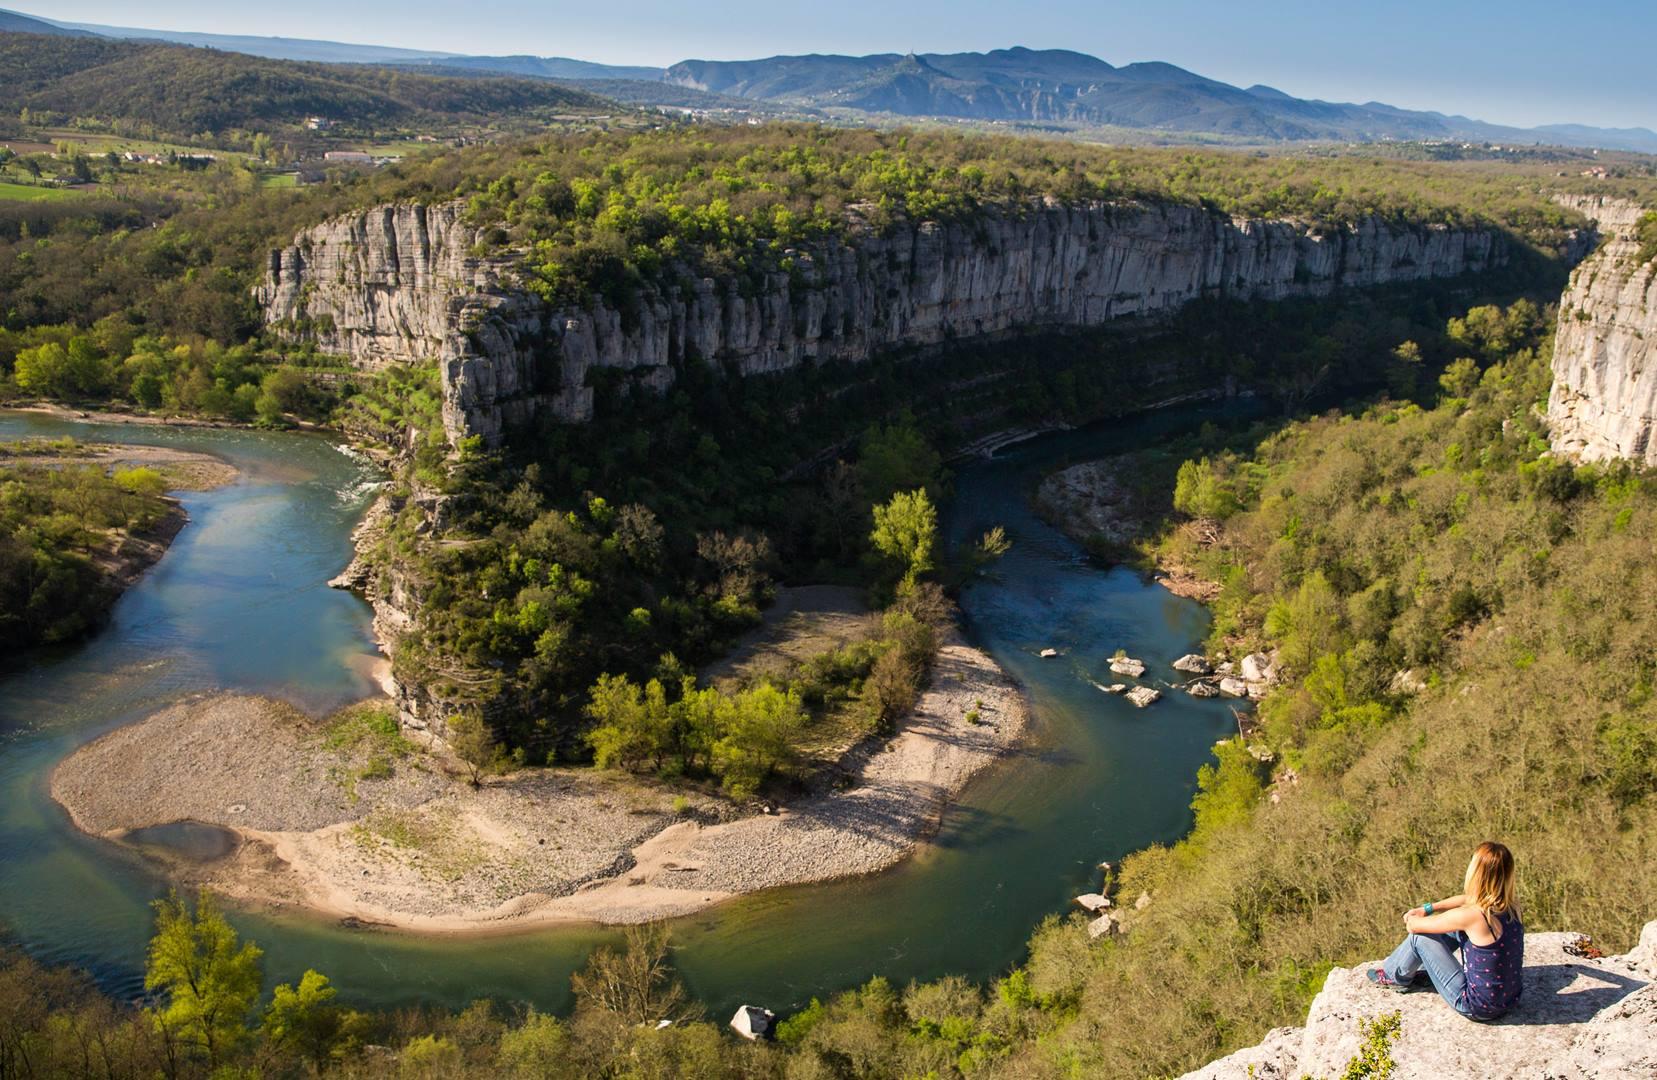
pixel 1508 61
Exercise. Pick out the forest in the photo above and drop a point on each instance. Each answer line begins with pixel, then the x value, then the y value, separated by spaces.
pixel 184 91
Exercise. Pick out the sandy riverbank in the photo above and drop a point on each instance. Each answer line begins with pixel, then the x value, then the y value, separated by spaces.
pixel 418 848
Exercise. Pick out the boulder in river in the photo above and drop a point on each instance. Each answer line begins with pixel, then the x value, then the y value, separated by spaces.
pixel 1233 687
pixel 1143 695
pixel 1048 654
pixel 1093 901
pixel 754 1023
pixel 1127 665
pixel 1194 664
pixel 1202 689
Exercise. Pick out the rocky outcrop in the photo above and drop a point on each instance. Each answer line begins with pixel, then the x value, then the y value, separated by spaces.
pixel 408 283
pixel 1604 398
pixel 1579 1019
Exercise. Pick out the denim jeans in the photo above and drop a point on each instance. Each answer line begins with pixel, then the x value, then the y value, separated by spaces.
pixel 1436 954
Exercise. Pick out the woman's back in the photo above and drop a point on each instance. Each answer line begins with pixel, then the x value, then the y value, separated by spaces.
pixel 1495 971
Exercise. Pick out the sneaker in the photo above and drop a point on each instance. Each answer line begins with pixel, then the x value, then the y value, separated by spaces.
pixel 1378 977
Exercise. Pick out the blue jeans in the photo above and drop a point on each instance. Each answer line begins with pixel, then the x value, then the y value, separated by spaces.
pixel 1435 954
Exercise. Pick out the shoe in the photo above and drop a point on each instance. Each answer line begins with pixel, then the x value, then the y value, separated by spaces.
pixel 1378 977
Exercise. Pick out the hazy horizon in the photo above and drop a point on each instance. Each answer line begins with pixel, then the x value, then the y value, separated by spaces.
pixel 1501 63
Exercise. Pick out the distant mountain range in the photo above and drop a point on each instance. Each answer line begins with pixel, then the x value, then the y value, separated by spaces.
pixel 1018 85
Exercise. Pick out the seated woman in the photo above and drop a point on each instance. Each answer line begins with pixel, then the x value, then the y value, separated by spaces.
pixel 1483 922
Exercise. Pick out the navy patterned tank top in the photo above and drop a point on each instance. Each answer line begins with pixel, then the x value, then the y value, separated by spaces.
pixel 1494 979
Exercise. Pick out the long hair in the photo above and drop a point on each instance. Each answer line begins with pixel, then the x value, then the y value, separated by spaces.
pixel 1490 879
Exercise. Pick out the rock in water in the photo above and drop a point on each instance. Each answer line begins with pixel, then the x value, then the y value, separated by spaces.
pixel 1144 695
pixel 1579 1019
pixel 1093 901
pixel 753 1022
pixel 1202 689
pixel 1194 664
pixel 1233 687
pixel 1048 654
pixel 1127 665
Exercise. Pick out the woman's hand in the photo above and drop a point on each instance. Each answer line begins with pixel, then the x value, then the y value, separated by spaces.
pixel 1414 913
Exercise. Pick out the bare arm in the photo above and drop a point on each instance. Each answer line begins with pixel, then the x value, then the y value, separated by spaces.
pixel 1459 917
pixel 1449 903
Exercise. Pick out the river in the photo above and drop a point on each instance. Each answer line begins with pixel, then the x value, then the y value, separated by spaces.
pixel 240 602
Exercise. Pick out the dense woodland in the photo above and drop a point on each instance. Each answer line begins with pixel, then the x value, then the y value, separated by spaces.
pixel 61 523
pixel 177 90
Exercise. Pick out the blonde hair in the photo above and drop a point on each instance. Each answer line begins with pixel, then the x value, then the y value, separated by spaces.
pixel 1490 879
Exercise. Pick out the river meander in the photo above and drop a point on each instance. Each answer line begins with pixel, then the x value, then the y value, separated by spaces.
pixel 240 603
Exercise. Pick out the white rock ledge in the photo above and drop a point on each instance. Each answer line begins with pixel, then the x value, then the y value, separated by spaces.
pixel 1579 1019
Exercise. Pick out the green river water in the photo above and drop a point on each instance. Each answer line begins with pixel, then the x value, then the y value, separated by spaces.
pixel 240 602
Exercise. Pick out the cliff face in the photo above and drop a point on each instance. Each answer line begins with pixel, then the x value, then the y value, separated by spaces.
pixel 405 284
pixel 1579 1019
pixel 1604 399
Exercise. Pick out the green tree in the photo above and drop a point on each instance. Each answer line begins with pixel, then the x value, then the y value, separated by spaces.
pixel 897 457
pixel 1461 378
pixel 431 1057
pixel 906 529
pixel 474 744
pixel 538 1049
pixel 1200 492
pixel 306 1020
pixel 210 980
pixel 633 724
pixel 759 738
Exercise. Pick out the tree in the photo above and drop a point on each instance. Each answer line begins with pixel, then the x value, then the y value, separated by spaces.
pixel 634 725
pixel 906 528
pixel 474 744
pixel 637 984
pixel 1404 372
pixel 1200 492
pixel 897 457
pixel 1461 378
pixel 538 1049
pixel 305 1019
pixel 757 738
pixel 210 982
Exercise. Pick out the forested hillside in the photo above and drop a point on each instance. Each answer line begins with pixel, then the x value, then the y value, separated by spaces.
pixel 185 91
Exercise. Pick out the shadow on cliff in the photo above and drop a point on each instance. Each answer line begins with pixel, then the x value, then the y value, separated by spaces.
pixel 1567 994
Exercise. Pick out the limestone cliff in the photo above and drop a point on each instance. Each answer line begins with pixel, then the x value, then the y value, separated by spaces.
pixel 407 283
pixel 1579 1019
pixel 1604 399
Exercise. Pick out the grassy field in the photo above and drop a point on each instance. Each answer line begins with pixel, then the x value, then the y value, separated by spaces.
pixel 281 180
pixel 33 193
pixel 95 143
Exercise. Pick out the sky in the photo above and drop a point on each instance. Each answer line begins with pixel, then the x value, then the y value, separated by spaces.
pixel 1522 62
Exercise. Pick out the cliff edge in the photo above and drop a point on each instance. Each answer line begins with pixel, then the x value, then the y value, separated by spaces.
pixel 407 283
pixel 1604 399
pixel 1579 1019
